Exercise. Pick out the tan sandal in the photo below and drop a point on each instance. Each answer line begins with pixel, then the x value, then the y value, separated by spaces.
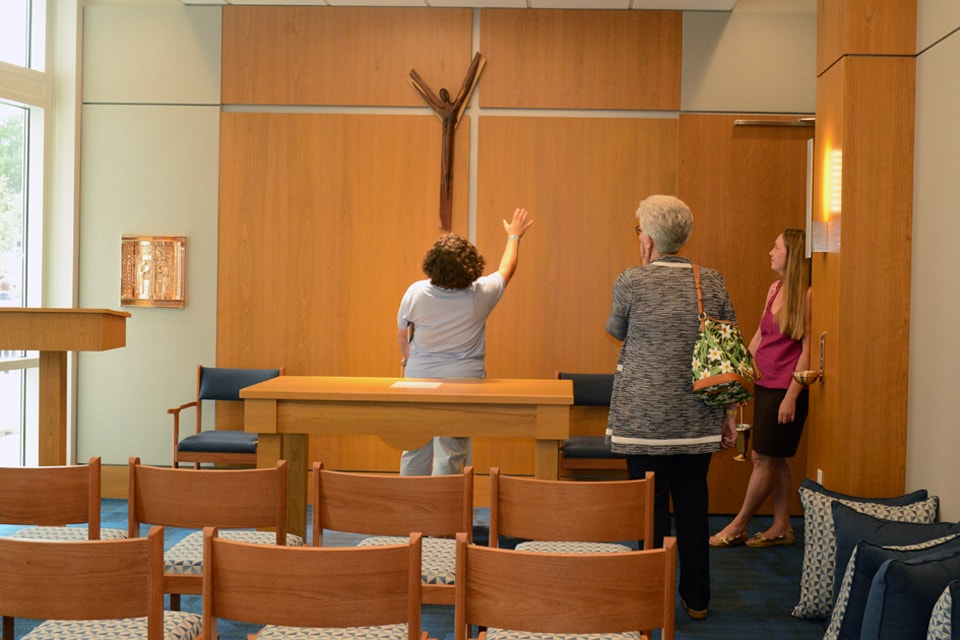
pixel 722 542
pixel 760 541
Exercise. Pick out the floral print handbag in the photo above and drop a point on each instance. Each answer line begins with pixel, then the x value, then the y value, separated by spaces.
pixel 722 366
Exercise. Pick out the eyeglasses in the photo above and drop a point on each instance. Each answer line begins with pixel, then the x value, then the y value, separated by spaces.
pixel 638 229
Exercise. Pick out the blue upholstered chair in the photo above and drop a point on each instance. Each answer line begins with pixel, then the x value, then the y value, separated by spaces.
pixel 228 445
pixel 589 451
pixel 106 589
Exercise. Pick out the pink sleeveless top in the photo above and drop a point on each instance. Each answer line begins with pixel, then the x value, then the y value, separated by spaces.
pixel 777 354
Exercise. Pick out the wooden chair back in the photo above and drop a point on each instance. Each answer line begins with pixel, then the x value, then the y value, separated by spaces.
pixel 529 591
pixel 319 587
pixel 194 499
pixel 570 511
pixel 52 496
pixel 391 505
pixel 86 580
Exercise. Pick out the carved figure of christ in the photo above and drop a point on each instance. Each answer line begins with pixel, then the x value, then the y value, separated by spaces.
pixel 449 112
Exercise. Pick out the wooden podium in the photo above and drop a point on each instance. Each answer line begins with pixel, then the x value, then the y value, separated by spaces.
pixel 53 332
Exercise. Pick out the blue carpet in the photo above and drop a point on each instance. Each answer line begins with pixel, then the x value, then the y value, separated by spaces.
pixel 754 590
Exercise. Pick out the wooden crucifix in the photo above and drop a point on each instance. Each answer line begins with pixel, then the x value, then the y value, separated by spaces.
pixel 449 113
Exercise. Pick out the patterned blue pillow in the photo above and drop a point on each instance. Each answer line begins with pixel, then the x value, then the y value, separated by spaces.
pixel 945 619
pixel 866 558
pixel 903 594
pixel 851 526
pixel 819 541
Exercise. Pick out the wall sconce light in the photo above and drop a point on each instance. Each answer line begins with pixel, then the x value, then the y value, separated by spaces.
pixel 836 182
pixel 152 269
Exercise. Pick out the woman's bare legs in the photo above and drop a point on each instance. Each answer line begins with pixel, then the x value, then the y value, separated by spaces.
pixel 770 477
pixel 780 497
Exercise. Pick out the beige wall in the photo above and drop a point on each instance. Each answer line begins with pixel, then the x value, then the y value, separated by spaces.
pixel 933 436
pixel 149 166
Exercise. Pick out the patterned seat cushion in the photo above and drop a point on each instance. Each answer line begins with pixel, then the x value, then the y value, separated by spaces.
pixel 186 556
pixel 177 625
pixel 384 632
pixel 66 534
pixel 439 559
pixel 505 634
pixel 548 546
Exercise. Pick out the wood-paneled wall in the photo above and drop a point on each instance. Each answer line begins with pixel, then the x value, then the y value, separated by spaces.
pixel 865 112
pixel 325 215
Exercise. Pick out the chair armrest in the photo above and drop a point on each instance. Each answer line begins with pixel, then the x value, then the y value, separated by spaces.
pixel 175 412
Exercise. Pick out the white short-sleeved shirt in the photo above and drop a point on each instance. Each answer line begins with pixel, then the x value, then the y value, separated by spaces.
pixel 449 327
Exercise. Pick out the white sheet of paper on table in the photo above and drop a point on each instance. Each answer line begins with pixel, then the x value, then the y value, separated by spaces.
pixel 414 384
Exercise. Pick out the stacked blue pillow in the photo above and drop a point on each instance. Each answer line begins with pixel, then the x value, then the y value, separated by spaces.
pixel 892 579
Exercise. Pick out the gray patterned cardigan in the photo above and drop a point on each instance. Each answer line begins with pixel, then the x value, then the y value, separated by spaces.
pixel 653 410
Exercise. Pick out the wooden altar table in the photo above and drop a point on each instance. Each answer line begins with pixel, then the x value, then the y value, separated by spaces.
pixel 406 413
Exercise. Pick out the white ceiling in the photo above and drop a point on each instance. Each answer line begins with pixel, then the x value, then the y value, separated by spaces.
pixel 762 6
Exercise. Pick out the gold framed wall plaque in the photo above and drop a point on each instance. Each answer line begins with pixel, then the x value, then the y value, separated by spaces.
pixel 152 269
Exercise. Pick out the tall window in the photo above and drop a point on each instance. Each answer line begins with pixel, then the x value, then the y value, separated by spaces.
pixel 21 153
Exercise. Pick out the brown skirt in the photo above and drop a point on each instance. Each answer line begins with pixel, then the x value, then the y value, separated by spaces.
pixel 769 437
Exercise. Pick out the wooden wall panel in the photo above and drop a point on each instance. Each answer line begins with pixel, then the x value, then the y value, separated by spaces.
pixel 581 179
pixel 581 59
pixel 745 185
pixel 341 55
pixel 323 222
pixel 826 398
pixel 862 451
pixel 864 27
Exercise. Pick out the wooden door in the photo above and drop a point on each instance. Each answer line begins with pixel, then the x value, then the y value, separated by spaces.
pixel 745 183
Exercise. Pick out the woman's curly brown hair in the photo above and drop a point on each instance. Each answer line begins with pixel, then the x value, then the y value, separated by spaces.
pixel 453 262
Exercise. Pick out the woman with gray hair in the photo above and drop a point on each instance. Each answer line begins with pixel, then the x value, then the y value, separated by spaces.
pixel 655 419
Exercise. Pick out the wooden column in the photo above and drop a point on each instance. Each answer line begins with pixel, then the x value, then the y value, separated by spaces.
pixel 863 197
pixel 53 332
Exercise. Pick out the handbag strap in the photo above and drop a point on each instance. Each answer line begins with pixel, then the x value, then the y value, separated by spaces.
pixel 696 280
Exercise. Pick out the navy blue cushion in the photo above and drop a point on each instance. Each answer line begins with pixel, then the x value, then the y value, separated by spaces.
pixel 220 441
pixel 590 389
pixel 851 527
pixel 903 593
pixel 222 383
pixel 867 560
pixel 588 447
pixel 896 501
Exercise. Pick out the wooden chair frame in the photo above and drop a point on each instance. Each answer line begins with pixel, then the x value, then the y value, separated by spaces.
pixel 213 457
pixel 567 511
pixel 194 499
pixel 246 582
pixel 52 496
pixel 86 580
pixel 392 505
pixel 529 591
